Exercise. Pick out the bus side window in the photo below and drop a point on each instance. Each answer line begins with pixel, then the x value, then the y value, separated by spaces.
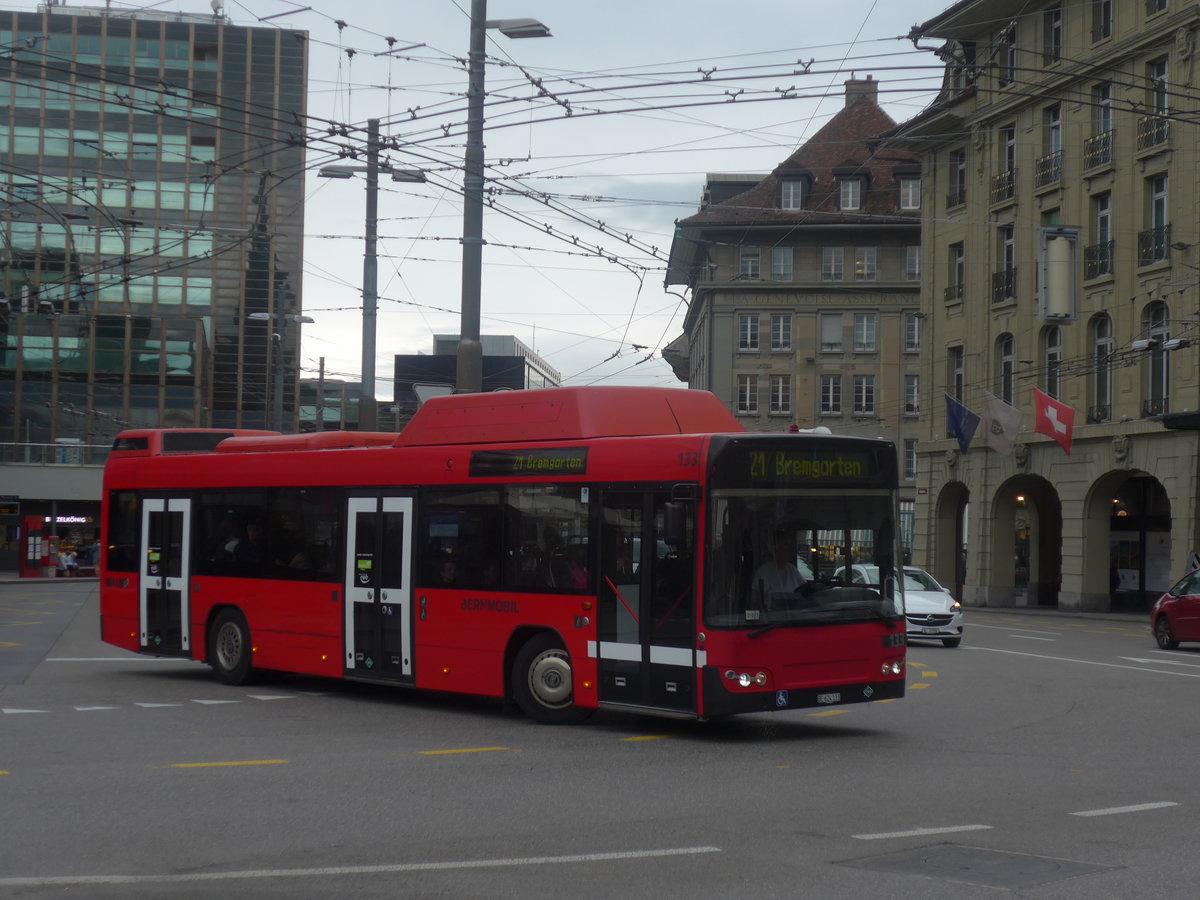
pixel 459 532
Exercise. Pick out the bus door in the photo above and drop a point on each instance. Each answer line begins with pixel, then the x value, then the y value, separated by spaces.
pixel 646 611
pixel 378 623
pixel 163 582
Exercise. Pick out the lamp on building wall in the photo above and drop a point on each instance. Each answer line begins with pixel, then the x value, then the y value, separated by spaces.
pixel 469 373
pixel 277 359
pixel 367 414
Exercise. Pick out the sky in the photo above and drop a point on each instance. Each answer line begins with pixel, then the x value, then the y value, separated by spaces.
pixel 597 140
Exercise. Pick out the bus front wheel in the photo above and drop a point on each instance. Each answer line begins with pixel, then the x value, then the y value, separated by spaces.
pixel 544 683
pixel 229 648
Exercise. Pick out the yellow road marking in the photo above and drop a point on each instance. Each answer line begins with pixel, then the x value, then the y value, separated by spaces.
pixel 916 665
pixel 647 737
pixel 463 750
pixel 827 712
pixel 919 686
pixel 929 674
pixel 245 762
pixel 9 644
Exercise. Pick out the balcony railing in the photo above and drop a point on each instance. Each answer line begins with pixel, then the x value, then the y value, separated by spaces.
pixel 956 197
pixel 1152 131
pixel 1004 285
pixel 1156 406
pixel 954 292
pixel 1048 169
pixel 1098 260
pixel 1154 245
pixel 1004 186
pixel 1098 414
pixel 1097 150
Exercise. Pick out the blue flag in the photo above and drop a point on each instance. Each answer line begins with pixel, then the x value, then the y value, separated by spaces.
pixel 961 422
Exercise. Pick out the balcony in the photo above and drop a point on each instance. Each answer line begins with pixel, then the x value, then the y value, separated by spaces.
pixel 954 293
pixel 956 197
pixel 1004 186
pixel 1154 245
pixel 1153 131
pixel 1098 414
pixel 1156 406
pixel 1097 150
pixel 1098 260
pixel 1004 285
pixel 1048 170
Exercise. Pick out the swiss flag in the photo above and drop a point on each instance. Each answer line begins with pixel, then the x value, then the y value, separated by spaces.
pixel 1053 419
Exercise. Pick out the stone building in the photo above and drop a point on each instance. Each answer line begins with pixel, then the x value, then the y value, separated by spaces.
pixel 1060 253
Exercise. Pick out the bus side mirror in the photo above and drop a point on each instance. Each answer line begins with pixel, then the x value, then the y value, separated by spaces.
pixel 675 521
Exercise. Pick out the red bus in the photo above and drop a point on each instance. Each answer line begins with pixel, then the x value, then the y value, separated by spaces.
pixel 570 548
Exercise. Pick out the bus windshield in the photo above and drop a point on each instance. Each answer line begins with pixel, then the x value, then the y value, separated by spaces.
pixel 781 558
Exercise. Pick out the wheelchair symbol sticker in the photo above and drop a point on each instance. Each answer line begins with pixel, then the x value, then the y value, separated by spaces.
pixel 781 698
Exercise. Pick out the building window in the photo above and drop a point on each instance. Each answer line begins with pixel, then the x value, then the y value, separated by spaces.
pixel 865 265
pixel 1004 282
pixel 1053 361
pixel 958 179
pixel 791 194
pixel 781 331
pixel 910 459
pixel 747 398
pixel 748 263
pixel 910 192
pixel 912 332
pixel 831 393
pixel 956 372
pixel 1102 365
pixel 1004 184
pixel 912 263
pixel 831 263
pixel 1154 129
pixel 957 273
pixel 748 332
pixel 1006 44
pixel 781 394
pixel 1158 381
pixel 1052 25
pixel 1155 6
pixel 1097 149
pixel 864 332
pixel 781 263
pixel 912 395
pixel 850 193
pixel 1155 240
pixel 864 395
pixel 1098 256
pixel 831 332
pixel 1006 358
pixel 1048 169
pixel 1102 19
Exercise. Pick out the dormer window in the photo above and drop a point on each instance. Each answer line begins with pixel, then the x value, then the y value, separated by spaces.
pixel 850 192
pixel 791 193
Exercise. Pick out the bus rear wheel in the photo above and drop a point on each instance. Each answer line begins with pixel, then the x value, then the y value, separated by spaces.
pixel 544 684
pixel 229 648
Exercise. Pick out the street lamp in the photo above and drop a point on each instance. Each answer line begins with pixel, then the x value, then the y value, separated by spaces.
pixel 277 359
pixel 367 412
pixel 469 375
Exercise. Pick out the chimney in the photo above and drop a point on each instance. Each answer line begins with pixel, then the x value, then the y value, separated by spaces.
pixel 856 88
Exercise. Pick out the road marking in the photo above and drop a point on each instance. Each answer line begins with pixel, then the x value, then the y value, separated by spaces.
pixel 1117 810
pixel 646 737
pixel 916 832
pixel 929 674
pixel 919 686
pixel 975 625
pixel 213 765
pixel 271 696
pixel 827 712
pixel 1161 662
pixel 93 708
pixel 398 868
pixel 1030 637
pixel 214 702
pixel 16 712
pixel 462 750
pixel 1085 662
pixel 156 705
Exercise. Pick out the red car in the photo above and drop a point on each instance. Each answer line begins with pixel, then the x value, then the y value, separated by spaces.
pixel 1176 615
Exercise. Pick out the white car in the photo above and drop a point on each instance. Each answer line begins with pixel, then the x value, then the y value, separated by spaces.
pixel 931 611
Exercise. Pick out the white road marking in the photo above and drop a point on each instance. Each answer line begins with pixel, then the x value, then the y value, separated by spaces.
pixel 1086 662
pixel 17 712
pixel 1030 637
pixel 193 877
pixel 1117 810
pixel 156 705
pixel 918 832
pixel 215 702
pixel 1012 628
pixel 92 708
pixel 1161 662
pixel 271 696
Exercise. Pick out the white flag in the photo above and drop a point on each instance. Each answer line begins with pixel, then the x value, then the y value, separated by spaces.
pixel 1001 423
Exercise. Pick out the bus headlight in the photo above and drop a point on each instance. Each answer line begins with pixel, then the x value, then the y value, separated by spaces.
pixel 893 668
pixel 745 679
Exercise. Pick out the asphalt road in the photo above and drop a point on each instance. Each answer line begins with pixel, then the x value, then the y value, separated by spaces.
pixel 1048 757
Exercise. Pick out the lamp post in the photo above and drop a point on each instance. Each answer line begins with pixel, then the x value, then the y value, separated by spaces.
pixel 367 408
pixel 277 360
pixel 469 373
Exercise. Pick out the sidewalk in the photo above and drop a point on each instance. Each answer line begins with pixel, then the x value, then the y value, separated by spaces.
pixel 1142 618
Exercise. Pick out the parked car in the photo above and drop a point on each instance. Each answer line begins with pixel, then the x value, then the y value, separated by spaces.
pixel 931 611
pixel 1175 616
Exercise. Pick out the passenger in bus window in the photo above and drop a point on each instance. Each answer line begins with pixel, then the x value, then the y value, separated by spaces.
pixel 249 549
pixel 447 571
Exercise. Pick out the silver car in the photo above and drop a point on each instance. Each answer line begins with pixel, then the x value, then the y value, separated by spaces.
pixel 931 611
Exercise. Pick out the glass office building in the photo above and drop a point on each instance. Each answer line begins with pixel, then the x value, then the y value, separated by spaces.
pixel 151 201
